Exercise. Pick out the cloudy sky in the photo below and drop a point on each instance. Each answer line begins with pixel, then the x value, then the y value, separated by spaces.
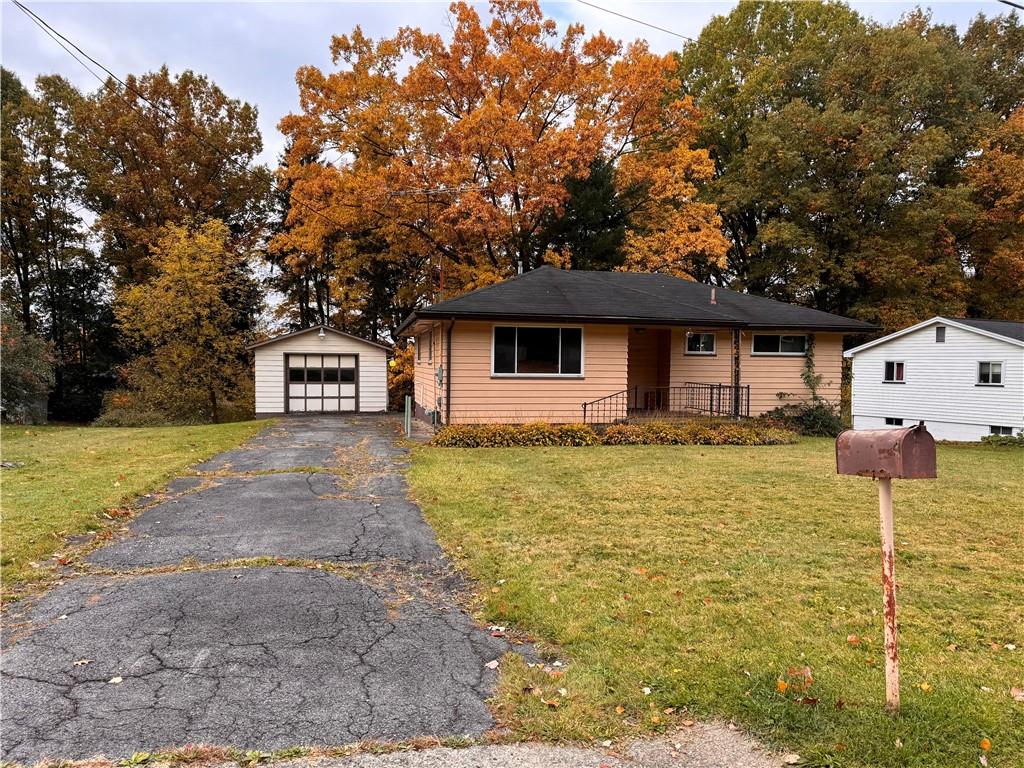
pixel 252 49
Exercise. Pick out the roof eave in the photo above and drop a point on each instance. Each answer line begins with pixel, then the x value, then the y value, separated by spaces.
pixel 696 322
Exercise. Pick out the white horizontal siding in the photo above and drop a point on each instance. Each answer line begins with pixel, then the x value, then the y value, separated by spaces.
pixel 941 382
pixel 269 369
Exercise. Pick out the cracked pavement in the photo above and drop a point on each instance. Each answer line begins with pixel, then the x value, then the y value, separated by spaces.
pixel 116 661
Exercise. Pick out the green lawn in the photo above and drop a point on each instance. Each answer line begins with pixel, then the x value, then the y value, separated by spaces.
pixel 710 574
pixel 72 474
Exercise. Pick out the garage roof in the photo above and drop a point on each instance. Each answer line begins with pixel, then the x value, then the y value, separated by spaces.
pixel 318 328
pixel 549 293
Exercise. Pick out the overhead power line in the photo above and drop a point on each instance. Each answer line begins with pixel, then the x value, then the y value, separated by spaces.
pixel 636 21
pixel 1018 6
pixel 78 54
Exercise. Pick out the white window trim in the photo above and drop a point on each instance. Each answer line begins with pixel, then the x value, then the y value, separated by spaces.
pixel 894 381
pixel 1002 374
pixel 583 350
pixel 714 344
pixel 777 354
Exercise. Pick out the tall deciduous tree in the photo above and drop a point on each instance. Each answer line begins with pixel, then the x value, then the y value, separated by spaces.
pixel 839 149
pixel 166 149
pixel 996 241
pixel 184 322
pixel 458 163
pixel 61 288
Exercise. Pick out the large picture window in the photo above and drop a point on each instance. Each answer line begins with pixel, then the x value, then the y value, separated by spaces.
pixel 779 344
pixel 533 351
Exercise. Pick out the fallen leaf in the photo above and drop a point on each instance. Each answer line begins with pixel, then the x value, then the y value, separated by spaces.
pixel 553 703
pixel 689 723
pixel 115 681
pixel 620 709
pixel 925 687
pixel 986 744
pixel 668 710
pixel 952 646
pixel 781 686
pixel 1017 694
pixel 606 743
pixel 647 691
pixel 83 662
pixel 791 759
pixel 493 664
pixel 983 760
pixel 853 640
pixel 655 719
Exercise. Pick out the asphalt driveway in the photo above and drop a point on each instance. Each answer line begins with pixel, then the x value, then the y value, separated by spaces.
pixel 140 655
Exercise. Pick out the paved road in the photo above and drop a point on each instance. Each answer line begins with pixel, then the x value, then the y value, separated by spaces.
pixel 139 655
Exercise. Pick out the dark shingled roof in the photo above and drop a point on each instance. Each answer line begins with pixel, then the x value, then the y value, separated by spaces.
pixel 1007 328
pixel 549 293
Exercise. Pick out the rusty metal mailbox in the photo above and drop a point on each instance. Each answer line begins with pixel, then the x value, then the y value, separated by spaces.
pixel 906 453
pixel 884 454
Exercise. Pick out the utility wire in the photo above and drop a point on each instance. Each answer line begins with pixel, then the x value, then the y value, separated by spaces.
pixel 77 53
pixel 638 21
pixel 1018 6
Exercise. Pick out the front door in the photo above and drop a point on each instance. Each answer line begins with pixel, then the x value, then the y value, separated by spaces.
pixel 322 383
pixel 647 367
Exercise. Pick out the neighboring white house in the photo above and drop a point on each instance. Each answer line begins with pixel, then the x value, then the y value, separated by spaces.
pixel 322 370
pixel 963 378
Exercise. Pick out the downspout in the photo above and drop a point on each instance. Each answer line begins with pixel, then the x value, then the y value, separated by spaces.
pixel 448 376
pixel 736 372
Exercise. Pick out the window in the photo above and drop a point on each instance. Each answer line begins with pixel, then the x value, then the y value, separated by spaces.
pixel 419 348
pixel 296 375
pixel 940 334
pixel 894 371
pixel 430 347
pixel 776 344
pixel 531 351
pixel 892 422
pixel 700 343
pixel 990 374
pixel 348 375
pixel 1000 431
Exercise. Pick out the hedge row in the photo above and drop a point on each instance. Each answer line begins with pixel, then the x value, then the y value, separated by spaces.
pixel 650 433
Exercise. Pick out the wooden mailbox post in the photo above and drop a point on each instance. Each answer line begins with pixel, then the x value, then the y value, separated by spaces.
pixel 885 454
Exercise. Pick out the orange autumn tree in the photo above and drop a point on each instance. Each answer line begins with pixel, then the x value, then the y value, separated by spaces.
pixel 455 155
pixel 996 177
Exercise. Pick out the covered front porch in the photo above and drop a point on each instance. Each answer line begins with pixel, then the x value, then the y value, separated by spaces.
pixel 675 373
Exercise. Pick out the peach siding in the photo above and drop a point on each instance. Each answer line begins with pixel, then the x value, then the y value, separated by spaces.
pixel 425 390
pixel 478 397
pixel 768 375
pixel 701 369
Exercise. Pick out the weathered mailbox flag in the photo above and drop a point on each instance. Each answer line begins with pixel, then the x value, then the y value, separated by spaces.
pixel 884 454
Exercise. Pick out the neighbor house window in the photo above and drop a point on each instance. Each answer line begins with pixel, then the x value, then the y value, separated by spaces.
pixel 990 373
pixel 532 351
pixel 419 348
pixel 940 334
pixel 779 344
pixel 430 347
pixel 1000 430
pixel 700 343
pixel 890 421
pixel 894 371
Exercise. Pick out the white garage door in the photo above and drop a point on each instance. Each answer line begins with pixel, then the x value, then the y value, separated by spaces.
pixel 322 383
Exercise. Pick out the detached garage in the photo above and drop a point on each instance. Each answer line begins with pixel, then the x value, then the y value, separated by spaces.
pixel 320 370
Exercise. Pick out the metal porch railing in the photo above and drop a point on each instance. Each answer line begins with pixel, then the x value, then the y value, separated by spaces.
pixel 689 399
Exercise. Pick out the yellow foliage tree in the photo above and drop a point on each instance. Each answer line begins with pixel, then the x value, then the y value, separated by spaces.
pixel 456 161
pixel 184 322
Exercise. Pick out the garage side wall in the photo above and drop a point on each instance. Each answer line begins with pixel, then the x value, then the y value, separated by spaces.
pixel 269 369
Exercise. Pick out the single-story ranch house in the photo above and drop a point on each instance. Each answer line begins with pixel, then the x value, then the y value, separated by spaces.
pixel 963 378
pixel 578 346
pixel 320 370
